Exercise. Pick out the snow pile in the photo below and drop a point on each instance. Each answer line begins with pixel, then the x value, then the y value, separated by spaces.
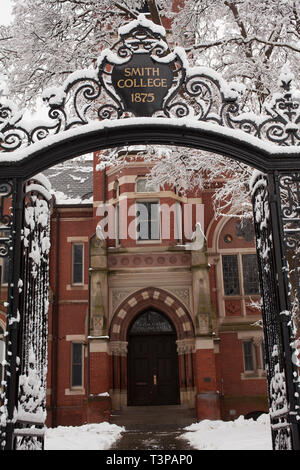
pixel 241 434
pixel 99 436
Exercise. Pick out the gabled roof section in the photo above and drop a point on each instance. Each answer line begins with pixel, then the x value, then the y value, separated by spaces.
pixel 72 181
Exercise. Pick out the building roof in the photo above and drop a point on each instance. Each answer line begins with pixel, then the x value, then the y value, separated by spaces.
pixel 72 181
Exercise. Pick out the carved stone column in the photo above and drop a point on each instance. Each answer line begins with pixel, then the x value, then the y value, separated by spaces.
pixel 185 349
pixel 98 299
pixel 201 292
pixel 118 350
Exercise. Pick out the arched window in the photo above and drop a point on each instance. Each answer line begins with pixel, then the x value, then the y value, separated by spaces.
pixel 151 322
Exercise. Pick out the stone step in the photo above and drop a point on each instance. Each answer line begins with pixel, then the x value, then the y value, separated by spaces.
pixel 139 417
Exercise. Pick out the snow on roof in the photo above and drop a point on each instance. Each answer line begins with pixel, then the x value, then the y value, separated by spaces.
pixel 72 181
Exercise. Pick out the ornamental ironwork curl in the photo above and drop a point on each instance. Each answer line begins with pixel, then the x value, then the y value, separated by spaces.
pixel 5 218
pixel 289 196
pixel 198 93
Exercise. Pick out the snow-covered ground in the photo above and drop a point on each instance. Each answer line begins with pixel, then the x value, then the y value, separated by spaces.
pixel 99 436
pixel 240 434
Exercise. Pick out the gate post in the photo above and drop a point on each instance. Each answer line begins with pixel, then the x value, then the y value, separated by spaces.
pixel 278 309
pixel 287 310
pixel 23 410
pixel 12 354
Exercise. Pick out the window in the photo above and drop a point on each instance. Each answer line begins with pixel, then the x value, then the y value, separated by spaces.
pixel 144 186
pixel 151 322
pixel 77 259
pixel 240 274
pixel 231 275
pixel 148 221
pixel 250 274
pixel 77 365
pixel 248 356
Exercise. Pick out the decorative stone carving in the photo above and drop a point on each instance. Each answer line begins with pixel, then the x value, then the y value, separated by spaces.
pixel 118 296
pixel 203 324
pixel 98 320
pixel 118 348
pixel 233 307
pixel 185 346
pixel 182 294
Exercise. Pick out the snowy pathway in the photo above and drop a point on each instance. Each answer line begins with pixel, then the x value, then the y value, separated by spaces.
pixel 240 434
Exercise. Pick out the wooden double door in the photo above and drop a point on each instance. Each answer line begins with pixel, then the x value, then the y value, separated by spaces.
pixel 153 370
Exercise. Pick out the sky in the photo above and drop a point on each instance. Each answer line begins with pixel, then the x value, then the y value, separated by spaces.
pixel 5 11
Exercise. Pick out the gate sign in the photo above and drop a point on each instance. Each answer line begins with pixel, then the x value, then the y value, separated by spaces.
pixel 142 84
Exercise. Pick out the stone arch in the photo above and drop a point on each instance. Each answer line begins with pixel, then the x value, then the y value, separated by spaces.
pixel 151 297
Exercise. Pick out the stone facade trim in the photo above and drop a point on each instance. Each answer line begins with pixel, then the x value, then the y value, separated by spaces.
pixel 148 298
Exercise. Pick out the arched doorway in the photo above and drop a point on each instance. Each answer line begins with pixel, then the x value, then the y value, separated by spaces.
pixel 153 377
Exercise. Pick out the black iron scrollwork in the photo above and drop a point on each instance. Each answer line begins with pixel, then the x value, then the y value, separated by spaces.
pixel 279 410
pixel 5 218
pixel 198 93
pixel 279 282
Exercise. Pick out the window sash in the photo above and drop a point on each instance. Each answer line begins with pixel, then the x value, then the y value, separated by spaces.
pixel 77 261
pixel 240 274
pixel 77 365
pixel 248 356
pixel 231 280
pixel 148 221
pixel 250 274
pixel 142 187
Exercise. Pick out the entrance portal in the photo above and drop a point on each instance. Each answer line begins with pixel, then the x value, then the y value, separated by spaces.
pixel 152 361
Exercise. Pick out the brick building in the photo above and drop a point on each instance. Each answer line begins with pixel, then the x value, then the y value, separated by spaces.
pixel 140 316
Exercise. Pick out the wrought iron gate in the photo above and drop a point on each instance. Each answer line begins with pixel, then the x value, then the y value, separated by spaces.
pixel 276 218
pixel 26 241
pixel 198 109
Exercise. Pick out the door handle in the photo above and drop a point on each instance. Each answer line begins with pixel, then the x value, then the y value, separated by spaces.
pixel 154 379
